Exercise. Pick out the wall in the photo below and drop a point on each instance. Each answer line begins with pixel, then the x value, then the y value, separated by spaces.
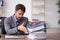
pixel 51 13
pixel 1 9
pixel 10 7
pixel 1 12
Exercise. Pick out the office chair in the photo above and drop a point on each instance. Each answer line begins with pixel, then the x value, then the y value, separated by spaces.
pixel 2 25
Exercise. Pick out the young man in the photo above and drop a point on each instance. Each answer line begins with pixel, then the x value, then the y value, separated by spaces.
pixel 16 24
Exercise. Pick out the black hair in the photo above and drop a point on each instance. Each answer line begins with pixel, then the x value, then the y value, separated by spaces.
pixel 20 6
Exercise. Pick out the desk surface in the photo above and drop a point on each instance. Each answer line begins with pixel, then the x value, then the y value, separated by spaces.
pixel 26 38
pixel 3 38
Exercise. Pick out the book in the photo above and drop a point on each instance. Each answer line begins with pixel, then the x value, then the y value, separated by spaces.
pixel 37 27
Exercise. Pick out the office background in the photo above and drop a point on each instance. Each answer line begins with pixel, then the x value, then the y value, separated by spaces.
pixel 51 17
pixel 51 14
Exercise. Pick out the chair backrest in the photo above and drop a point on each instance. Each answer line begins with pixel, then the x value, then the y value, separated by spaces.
pixel 2 25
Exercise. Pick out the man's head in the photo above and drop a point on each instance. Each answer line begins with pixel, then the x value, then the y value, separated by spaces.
pixel 19 10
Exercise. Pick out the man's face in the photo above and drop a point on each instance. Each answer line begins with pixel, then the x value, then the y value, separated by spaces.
pixel 19 14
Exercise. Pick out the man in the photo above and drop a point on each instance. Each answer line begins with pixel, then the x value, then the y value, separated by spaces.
pixel 16 24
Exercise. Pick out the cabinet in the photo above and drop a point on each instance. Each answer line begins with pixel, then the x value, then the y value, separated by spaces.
pixel 38 10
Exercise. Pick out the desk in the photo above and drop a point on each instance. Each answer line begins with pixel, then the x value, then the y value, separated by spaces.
pixel 26 38
pixel 3 38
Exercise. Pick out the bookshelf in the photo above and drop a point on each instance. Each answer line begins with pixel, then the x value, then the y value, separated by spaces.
pixel 38 10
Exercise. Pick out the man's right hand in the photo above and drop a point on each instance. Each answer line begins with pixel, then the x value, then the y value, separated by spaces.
pixel 22 28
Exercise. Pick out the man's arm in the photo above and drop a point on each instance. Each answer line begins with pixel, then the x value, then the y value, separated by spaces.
pixel 8 28
pixel 23 26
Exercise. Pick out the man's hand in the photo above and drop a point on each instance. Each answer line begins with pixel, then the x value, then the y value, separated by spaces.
pixel 22 28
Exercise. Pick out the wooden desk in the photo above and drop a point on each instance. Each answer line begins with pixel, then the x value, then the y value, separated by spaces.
pixel 26 38
pixel 3 38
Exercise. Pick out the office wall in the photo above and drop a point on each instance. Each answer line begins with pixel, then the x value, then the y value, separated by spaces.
pixel 51 13
pixel 10 7
pixel 1 12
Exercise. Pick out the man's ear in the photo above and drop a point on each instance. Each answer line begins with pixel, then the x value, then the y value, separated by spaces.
pixel 15 11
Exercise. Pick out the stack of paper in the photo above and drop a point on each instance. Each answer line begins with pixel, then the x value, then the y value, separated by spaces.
pixel 37 35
